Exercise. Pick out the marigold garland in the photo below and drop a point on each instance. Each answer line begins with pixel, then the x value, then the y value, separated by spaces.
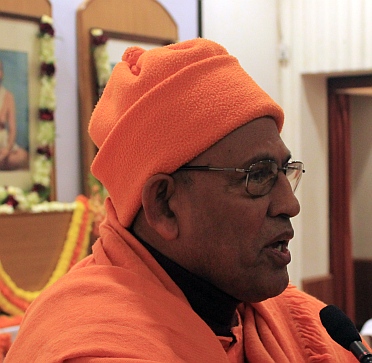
pixel 6 338
pixel 5 343
pixel 14 300
pixel 12 198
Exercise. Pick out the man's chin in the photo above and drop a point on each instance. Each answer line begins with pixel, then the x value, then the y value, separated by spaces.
pixel 263 293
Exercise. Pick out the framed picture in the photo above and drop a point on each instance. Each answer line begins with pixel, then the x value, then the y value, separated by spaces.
pixel 144 23
pixel 114 46
pixel 27 104
pixel 19 95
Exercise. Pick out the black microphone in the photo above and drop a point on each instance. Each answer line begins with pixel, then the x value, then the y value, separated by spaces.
pixel 343 331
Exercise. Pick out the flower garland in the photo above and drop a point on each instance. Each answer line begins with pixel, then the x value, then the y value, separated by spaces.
pixel 96 202
pixel 103 71
pixel 5 343
pixel 13 299
pixel 12 198
pixel 6 338
pixel 101 58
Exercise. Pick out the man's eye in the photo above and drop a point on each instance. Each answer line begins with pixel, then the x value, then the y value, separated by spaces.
pixel 260 176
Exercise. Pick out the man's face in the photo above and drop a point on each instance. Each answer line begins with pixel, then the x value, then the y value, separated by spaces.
pixel 230 238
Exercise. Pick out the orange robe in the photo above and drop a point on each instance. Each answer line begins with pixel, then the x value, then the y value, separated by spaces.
pixel 119 305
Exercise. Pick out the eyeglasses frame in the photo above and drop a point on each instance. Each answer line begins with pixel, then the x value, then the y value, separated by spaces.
pixel 242 170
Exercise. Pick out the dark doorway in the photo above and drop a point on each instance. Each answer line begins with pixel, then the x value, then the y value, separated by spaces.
pixel 341 254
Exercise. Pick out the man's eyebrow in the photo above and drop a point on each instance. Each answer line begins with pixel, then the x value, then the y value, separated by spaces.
pixel 266 156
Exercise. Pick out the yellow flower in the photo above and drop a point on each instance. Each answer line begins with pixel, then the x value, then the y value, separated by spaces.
pixel 3 193
pixel 96 32
pixel 14 190
pixel 103 68
pixel 33 198
pixel 6 209
pixel 43 168
pixel 47 95
pixel 46 19
pixel 46 133
pixel 47 49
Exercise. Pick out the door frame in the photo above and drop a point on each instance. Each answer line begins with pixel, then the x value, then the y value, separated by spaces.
pixel 339 129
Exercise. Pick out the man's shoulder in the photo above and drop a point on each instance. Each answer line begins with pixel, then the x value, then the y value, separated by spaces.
pixel 297 300
pixel 294 293
pixel 95 308
pixel 87 281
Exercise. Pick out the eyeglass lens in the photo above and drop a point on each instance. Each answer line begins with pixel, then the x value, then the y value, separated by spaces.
pixel 263 175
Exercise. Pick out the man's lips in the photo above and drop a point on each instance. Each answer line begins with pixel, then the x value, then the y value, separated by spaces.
pixel 278 250
pixel 285 235
pixel 280 246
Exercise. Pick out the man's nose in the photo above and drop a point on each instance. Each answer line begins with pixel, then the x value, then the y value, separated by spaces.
pixel 283 200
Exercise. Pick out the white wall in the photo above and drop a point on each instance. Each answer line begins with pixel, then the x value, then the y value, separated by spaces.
pixel 324 38
pixel 248 30
pixel 68 166
pixel 317 39
pixel 66 115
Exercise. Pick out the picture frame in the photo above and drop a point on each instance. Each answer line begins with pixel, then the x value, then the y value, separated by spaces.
pixel 20 57
pixel 115 44
pixel 125 23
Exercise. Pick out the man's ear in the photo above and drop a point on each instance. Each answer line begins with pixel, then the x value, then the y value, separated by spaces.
pixel 156 194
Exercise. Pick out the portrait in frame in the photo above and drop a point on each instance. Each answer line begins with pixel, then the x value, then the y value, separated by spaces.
pixel 19 58
pixel 14 108
pixel 134 22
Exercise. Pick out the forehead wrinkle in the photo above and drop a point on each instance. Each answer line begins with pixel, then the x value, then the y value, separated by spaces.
pixel 256 144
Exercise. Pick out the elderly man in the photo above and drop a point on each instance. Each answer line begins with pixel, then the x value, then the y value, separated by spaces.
pixel 191 265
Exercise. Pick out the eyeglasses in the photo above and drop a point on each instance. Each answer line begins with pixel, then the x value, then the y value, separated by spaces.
pixel 261 176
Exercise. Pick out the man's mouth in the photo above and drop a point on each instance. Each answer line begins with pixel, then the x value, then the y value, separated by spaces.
pixel 281 246
pixel 279 253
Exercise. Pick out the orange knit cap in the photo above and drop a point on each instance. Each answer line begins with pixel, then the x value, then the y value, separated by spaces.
pixel 163 107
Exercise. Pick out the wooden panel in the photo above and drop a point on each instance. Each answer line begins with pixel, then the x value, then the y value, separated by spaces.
pixel 363 290
pixel 31 244
pixel 145 18
pixel 27 8
pixel 141 17
pixel 321 287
